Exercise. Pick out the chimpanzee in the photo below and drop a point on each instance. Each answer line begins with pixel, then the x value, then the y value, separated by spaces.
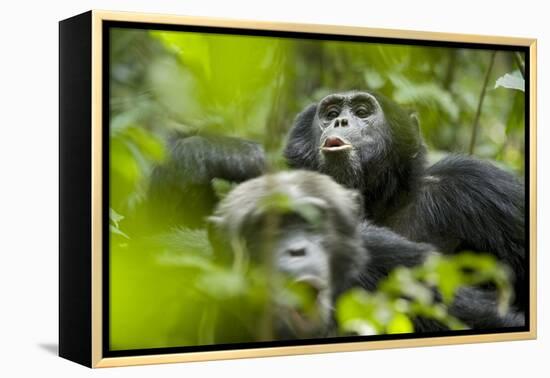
pixel 369 143
pixel 319 238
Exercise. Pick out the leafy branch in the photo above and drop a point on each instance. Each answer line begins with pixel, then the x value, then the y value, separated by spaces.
pixel 410 293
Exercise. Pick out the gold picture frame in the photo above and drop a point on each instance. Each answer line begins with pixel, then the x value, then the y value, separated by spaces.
pixel 82 276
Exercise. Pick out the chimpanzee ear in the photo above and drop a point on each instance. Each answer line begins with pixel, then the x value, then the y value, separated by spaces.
pixel 300 150
pixel 307 115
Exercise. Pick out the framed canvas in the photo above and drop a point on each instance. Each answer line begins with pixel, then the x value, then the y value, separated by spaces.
pixel 234 189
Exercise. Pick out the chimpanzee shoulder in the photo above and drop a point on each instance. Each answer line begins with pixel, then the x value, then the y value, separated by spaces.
pixel 473 202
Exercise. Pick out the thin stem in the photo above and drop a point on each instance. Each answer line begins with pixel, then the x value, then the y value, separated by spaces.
pixel 475 126
pixel 519 62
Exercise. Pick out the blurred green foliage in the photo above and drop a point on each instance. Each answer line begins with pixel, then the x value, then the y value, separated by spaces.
pixel 168 290
pixel 408 293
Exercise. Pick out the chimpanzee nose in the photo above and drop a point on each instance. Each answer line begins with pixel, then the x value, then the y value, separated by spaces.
pixel 296 252
pixel 341 122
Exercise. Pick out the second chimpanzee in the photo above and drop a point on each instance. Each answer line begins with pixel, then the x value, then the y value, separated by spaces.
pixel 307 227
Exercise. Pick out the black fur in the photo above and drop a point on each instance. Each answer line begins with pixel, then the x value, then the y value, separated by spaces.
pixel 181 192
pixel 460 203
pixel 388 251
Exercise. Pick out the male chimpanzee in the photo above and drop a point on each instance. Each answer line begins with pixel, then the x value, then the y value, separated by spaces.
pixel 369 143
pixel 331 251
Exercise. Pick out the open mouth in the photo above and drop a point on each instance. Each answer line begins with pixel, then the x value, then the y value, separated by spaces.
pixel 334 144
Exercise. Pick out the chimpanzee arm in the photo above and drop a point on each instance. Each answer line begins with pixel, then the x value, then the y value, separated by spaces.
pixel 478 309
pixel 388 250
pixel 180 191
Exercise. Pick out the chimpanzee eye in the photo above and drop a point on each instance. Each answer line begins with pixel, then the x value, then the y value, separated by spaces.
pixel 331 114
pixel 361 112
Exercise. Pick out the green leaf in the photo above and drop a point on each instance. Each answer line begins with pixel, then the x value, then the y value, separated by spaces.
pixel 236 82
pixel 222 284
pixel 449 280
pixel 304 297
pixel 356 313
pixel 311 213
pixel 277 202
pixel 188 261
pixel 117 231
pixel 126 167
pixel 114 216
pixel 512 80
pixel 402 282
pixel 192 48
pixel 222 187
pixel 427 93
pixel 400 324
pixel 281 203
pixel 148 144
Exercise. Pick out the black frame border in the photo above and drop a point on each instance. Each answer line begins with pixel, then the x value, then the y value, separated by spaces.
pixel 75 195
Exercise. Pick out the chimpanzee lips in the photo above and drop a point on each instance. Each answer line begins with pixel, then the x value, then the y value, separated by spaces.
pixel 333 144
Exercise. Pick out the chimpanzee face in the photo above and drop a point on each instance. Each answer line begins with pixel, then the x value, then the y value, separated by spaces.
pixel 346 121
pixel 298 253
pixel 353 132
pixel 304 228
pixel 362 140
